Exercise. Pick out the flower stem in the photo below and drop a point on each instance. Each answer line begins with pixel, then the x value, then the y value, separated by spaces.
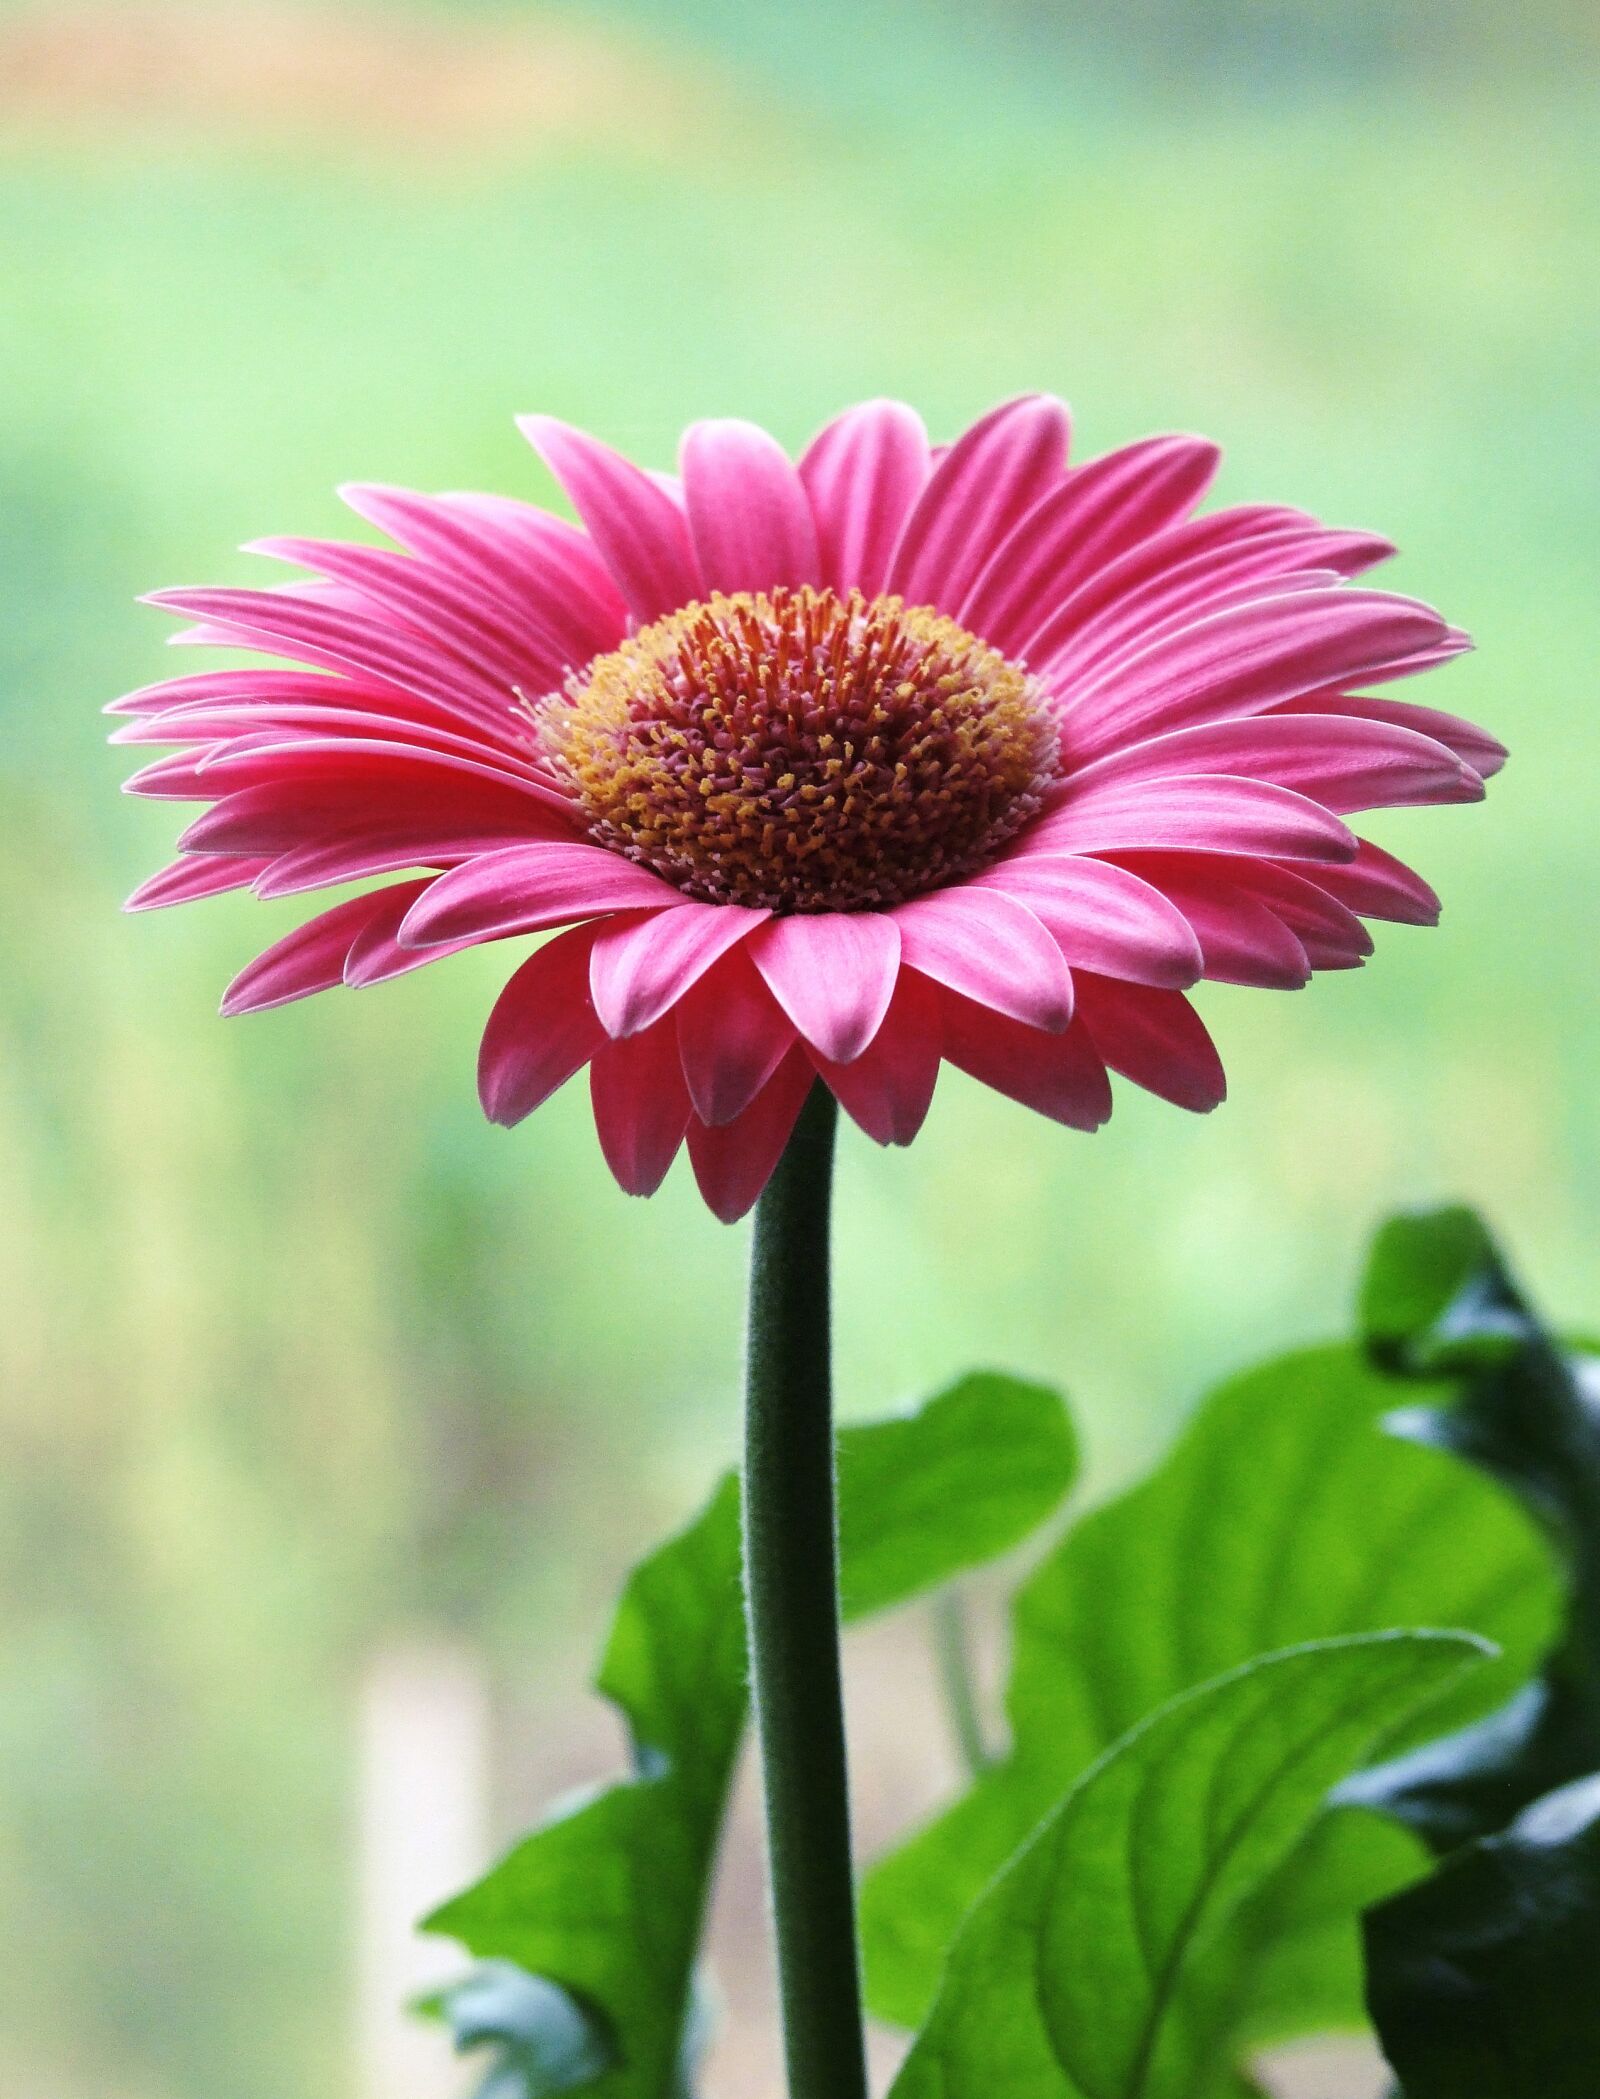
pixel 792 1587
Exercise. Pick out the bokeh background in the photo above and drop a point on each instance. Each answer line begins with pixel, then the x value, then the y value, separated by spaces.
pixel 329 1416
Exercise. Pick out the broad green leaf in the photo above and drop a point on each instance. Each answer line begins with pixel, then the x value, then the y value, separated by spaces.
pixel 543 2042
pixel 962 1480
pixel 1089 1969
pixel 1482 1979
pixel 1439 1305
pixel 606 1900
pixel 1283 1515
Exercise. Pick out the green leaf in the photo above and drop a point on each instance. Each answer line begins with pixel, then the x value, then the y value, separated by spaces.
pixel 544 2042
pixel 607 1898
pixel 1088 1969
pixel 1283 1515
pixel 1439 1304
pixel 962 1480
pixel 1482 1979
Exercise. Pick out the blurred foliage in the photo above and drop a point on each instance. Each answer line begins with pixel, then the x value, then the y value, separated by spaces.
pixel 295 1350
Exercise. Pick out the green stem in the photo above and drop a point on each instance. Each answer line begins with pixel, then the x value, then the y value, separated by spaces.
pixel 792 1586
pixel 960 1687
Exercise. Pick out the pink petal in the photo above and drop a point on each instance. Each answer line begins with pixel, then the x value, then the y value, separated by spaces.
pixel 1299 900
pixel 1155 1038
pixel 543 1029
pixel 862 475
pixel 542 571
pixel 522 888
pixel 990 948
pixel 309 959
pixel 186 880
pixel 1475 747
pixel 638 528
pixel 833 973
pixel 639 969
pixel 1242 941
pixel 734 1163
pixel 989 479
pixel 287 814
pixel 732 1036
pixel 1377 885
pixel 315 626
pixel 383 848
pixel 1244 661
pixel 1183 571
pixel 1101 917
pixel 1342 762
pixel 1061 1076
pixel 376 954
pixel 748 512
pixel 641 1106
pixel 1204 813
pixel 1098 511
pixel 888 1089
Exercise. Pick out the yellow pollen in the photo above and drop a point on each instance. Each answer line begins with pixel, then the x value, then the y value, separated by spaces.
pixel 803 751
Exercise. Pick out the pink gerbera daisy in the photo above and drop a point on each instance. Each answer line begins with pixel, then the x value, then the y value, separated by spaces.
pixel 837 769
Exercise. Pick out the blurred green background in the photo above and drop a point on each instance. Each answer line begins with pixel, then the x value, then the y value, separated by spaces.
pixel 298 1357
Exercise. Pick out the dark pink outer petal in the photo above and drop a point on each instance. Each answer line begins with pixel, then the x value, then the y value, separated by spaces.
pixel 1210 812
pixel 543 1029
pixel 732 1036
pixel 1155 1038
pixel 641 1106
pixel 309 959
pixel 862 474
pixel 748 512
pixel 989 478
pixel 636 525
pixel 833 974
pixel 1062 1076
pixel 734 1163
pixel 888 1089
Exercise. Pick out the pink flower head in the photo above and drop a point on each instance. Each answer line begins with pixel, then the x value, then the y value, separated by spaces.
pixel 835 768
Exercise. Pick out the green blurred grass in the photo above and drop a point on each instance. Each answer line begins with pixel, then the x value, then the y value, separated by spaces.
pixel 294 1347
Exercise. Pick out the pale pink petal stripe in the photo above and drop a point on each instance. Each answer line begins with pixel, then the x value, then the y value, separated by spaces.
pixel 748 512
pixel 888 1089
pixel 1102 917
pixel 1155 1038
pixel 833 973
pixel 734 1163
pixel 639 969
pixel 732 1036
pixel 990 477
pixel 526 887
pixel 862 474
pixel 991 948
pixel 1061 1076
pixel 1210 812
pixel 637 527
pixel 543 1029
pixel 641 1106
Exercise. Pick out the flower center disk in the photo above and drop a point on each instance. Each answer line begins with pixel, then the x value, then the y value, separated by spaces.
pixel 803 751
